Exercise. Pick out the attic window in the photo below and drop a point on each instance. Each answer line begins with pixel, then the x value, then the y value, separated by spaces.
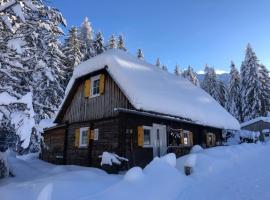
pixel 95 86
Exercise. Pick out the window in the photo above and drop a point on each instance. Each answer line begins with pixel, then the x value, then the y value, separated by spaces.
pixel 211 140
pixel 147 136
pixel 96 134
pixel 83 137
pixel 186 137
pixel 95 86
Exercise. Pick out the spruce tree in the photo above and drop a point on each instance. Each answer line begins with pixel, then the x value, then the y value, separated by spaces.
pixel 86 39
pixel 191 76
pixel 210 83
pixel 251 90
pixel 233 103
pixel 121 43
pixel 140 54
pixel 164 67
pixel 72 49
pixel 265 94
pixel 99 43
pixel 158 64
pixel 177 70
pixel 112 42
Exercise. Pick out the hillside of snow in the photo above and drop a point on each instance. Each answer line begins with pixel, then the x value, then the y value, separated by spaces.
pixel 231 172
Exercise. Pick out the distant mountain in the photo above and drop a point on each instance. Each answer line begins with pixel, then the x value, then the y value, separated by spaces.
pixel 225 78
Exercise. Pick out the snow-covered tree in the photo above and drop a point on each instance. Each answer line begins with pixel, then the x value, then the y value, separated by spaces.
pixel 121 43
pixel 86 35
pixel 191 76
pixel 24 46
pixel 99 43
pixel 212 86
pixel 164 67
pixel 233 103
pixel 251 89
pixel 158 64
pixel 72 49
pixel 140 54
pixel 265 94
pixel 112 42
pixel 177 70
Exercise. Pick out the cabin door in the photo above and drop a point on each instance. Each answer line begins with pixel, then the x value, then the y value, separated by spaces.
pixel 159 136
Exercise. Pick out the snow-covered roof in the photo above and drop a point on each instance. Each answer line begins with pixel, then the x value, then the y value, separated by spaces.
pixel 149 88
pixel 252 121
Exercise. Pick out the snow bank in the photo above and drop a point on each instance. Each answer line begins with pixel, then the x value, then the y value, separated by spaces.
pixel 228 172
pixel 159 94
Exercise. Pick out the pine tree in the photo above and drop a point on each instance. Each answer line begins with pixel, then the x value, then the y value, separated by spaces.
pixel 265 95
pixel 158 64
pixel 72 49
pixel 251 90
pixel 99 43
pixel 121 43
pixel 233 104
pixel 191 76
pixel 164 67
pixel 24 53
pixel 177 70
pixel 140 54
pixel 112 42
pixel 86 39
pixel 210 83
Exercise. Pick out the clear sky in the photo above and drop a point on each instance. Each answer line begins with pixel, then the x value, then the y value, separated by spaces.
pixel 187 32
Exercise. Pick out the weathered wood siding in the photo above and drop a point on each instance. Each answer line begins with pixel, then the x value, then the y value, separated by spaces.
pixel 107 141
pixel 86 109
pixel 143 155
pixel 53 150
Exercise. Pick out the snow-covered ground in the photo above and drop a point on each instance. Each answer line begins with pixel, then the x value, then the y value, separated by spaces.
pixel 232 172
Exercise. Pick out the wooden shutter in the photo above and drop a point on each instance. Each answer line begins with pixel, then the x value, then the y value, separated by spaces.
pixel 102 84
pixel 77 137
pixel 182 137
pixel 87 88
pixel 190 138
pixel 88 135
pixel 140 136
pixel 92 134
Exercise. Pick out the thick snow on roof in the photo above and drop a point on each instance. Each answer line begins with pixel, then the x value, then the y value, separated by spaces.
pixel 149 88
pixel 252 121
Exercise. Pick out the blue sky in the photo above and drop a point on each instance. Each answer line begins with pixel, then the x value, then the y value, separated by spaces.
pixel 187 32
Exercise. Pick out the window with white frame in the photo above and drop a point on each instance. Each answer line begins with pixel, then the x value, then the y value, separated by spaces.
pixel 96 134
pixel 147 136
pixel 95 86
pixel 186 137
pixel 83 137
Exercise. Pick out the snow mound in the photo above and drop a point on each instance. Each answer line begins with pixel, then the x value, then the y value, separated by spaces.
pixel 158 95
pixel 134 174
pixel 196 149
pixel 170 159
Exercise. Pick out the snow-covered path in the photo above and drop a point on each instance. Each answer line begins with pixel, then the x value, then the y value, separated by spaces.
pixel 233 172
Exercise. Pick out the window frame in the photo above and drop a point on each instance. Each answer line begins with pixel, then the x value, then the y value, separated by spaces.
pixel 212 135
pixel 92 80
pixel 187 132
pixel 151 138
pixel 81 132
pixel 96 134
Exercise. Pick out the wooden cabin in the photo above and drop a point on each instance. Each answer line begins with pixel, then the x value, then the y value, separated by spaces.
pixel 117 103
pixel 258 124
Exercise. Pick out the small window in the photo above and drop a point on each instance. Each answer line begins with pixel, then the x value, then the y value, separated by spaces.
pixel 83 137
pixel 266 134
pixel 211 139
pixel 186 137
pixel 147 136
pixel 95 86
pixel 96 134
